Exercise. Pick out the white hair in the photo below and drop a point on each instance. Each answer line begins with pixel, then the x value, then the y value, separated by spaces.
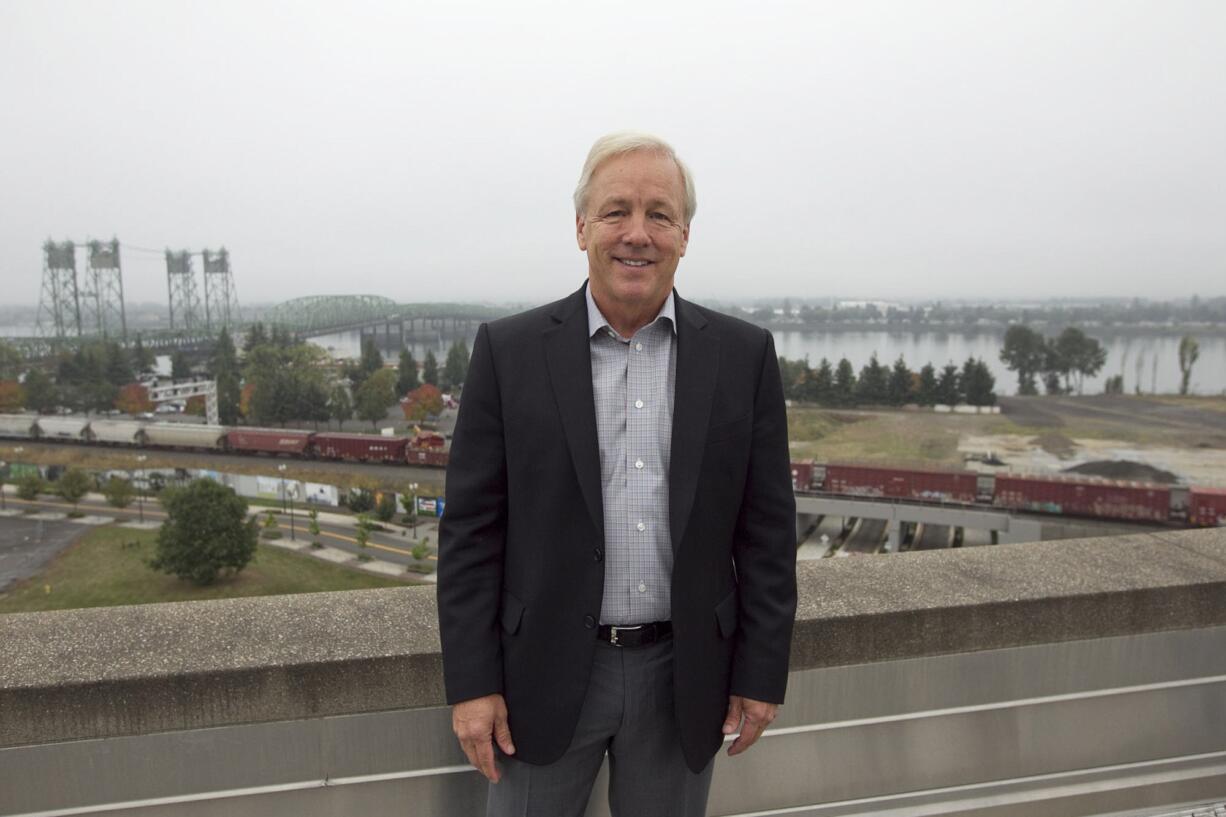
pixel 617 144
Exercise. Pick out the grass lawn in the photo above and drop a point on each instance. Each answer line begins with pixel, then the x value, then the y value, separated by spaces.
pixel 106 567
pixel 897 438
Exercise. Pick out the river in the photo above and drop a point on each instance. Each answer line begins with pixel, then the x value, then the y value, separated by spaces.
pixel 1151 358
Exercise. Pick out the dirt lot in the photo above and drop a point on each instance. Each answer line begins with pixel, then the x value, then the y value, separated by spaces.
pixel 1185 436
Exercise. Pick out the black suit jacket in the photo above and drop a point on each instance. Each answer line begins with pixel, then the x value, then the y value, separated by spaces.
pixel 521 543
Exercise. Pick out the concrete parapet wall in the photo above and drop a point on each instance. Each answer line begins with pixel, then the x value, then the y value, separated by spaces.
pixel 110 672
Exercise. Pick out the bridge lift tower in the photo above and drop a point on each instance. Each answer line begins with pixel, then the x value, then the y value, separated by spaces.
pixel 102 294
pixel 220 295
pixel 59 307
pixel 197 388
pixel 184 297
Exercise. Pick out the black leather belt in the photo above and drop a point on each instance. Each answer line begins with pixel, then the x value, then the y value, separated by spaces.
pixel 634 635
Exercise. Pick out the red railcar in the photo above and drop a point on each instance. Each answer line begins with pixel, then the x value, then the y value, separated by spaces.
pixel 1103 499
pixel 802 476
pixel 269 441
pixel 896 483
pixel 1207 507
pixel 337 445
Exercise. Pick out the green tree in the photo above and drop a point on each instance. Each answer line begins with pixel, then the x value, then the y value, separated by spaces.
pixel 1189 353
pixel 821 386
pixel 313 526
pixel 206 534
pixel 1024 352
pixel 429 369
pixel 900 385
pixel 224 363
pixel 11 361
pixel 947 386
pixel 363 530
pixel 142 358
pixel 41 393
pixel 73 485
pixel 361 500
pixel 340 407
pixel 456 367
pixel 420 551
pixel 117 365
pixel 408 502
pixel 288 383
pixel 927 393
pixel 873 386
pixel 977 383
pixel 119 492
pixel 407 378
pixel 386 509
pixel 1078 354
pixel 376 396
pixel 369 363
pixel 180 366
pixel 256 336
pixel 844 383
pixel 30 486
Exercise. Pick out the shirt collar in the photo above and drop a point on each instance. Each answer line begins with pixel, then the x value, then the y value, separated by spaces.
pixel 596 320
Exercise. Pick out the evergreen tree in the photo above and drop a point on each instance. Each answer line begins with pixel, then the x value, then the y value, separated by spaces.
pixel 822 385
pixel 947 386
pixel 429 371
pixel 899 389
pixel 406 373
pixel 927 394
pixel 456 367
pixel 180 368
pixel 143 359
pixel 873 387
pixel 256 336
pixel 844 383
pixel 225 368
pixel 978 383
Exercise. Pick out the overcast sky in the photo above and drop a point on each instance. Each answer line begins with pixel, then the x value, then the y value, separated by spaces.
pixel 428 151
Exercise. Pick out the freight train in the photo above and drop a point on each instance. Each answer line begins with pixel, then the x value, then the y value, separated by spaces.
pixel 1065 496
pixel 419 449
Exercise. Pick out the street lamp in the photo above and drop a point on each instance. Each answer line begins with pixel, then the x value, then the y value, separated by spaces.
pixel 281 468
pixel 140 487
pixel 413 488
pixel 3 502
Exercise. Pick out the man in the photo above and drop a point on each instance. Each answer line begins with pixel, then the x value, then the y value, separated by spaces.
pixel 617 558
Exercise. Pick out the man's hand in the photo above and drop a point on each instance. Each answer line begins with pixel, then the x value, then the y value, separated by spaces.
pixel 755 716
pixel 478 723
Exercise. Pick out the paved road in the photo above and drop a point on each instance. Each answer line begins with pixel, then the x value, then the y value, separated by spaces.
pixel 867 538
pixel 931 537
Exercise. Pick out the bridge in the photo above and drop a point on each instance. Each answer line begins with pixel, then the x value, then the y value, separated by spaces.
pixel 315 315
pixel 1053 679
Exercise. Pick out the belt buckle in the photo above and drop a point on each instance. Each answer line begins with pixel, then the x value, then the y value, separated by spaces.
pixel 615 629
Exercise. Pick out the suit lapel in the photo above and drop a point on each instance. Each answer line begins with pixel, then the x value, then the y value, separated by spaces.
pixel 568 356
pixel 697 366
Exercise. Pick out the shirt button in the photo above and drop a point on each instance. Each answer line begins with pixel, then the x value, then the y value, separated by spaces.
pixel 641 526
pixel 642 587
pixel 638 463
pixel 598 554
pixel 638 403
pixel 638 347
pixel 589 622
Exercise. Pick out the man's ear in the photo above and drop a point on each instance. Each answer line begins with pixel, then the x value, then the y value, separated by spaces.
pixel 685 239
pixel 580 226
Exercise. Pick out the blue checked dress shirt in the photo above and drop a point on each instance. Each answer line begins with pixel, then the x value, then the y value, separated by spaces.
pixel 633 381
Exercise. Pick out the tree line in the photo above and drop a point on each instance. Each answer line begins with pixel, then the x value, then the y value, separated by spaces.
pixel 897 385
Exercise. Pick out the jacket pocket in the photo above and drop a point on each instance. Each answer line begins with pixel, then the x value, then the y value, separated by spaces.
pixel 725 615
pixel 512 613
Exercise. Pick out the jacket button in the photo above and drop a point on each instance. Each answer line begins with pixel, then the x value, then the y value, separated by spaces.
pixel 598 554
pixel 589 622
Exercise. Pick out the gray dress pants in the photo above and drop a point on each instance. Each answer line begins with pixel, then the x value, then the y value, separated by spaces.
pixel 628 713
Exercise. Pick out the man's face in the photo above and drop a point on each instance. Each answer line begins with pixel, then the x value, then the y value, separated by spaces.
pixel 633 231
